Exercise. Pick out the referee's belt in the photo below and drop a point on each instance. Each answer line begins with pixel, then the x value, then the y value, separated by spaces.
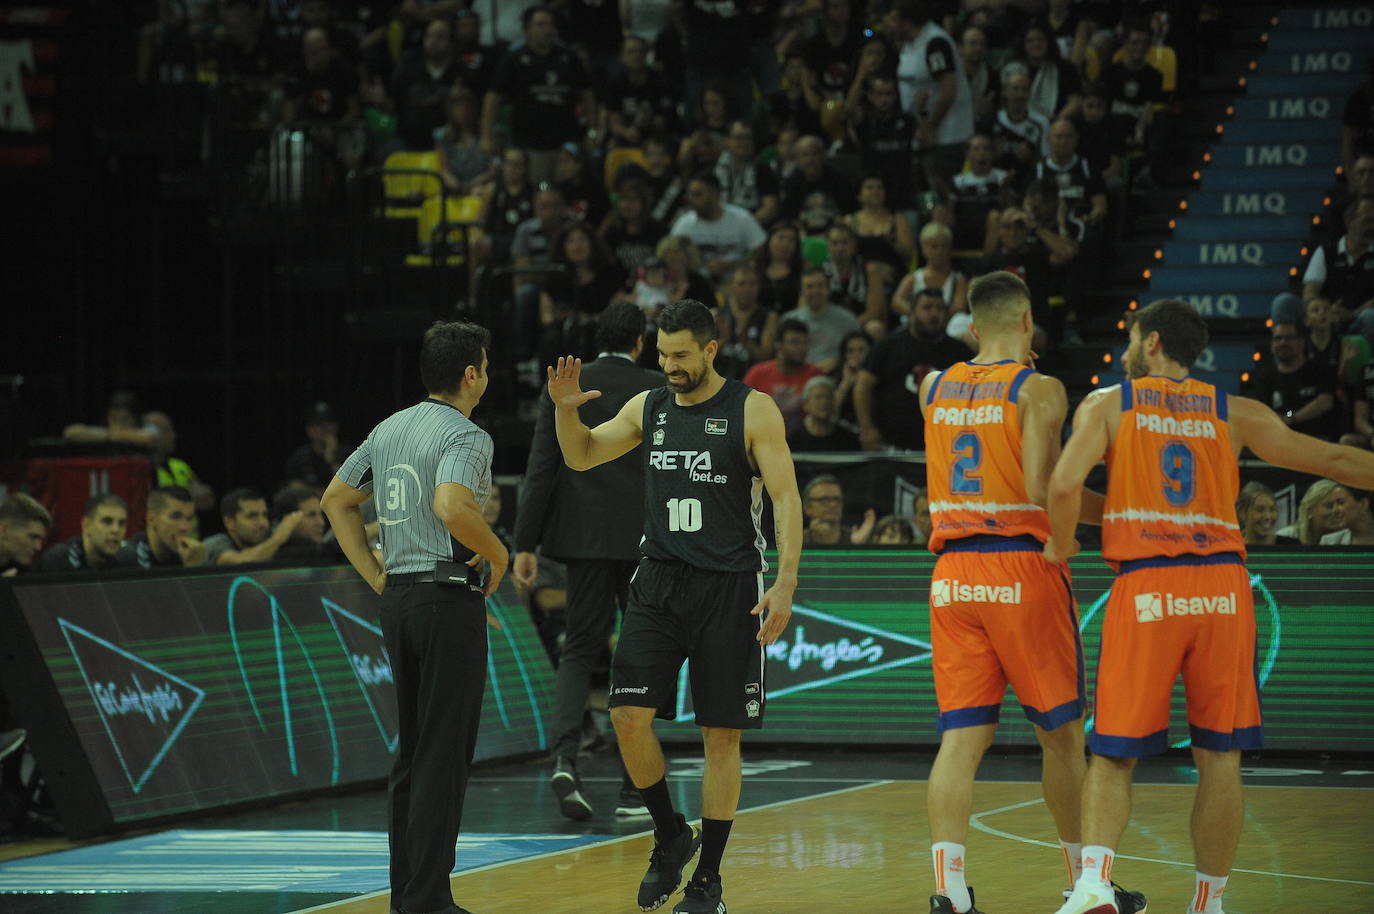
pixel 454 576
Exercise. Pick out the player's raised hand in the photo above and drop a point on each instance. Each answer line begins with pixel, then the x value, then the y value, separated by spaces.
pixel 565 384
pixel 776 609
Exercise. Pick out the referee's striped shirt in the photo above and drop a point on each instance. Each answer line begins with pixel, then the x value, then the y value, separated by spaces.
pixel 407 456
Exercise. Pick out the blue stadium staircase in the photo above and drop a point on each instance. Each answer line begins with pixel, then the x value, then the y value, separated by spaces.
pixel 1242 232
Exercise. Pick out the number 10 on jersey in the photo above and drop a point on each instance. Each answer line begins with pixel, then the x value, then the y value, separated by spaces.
pixel 684 515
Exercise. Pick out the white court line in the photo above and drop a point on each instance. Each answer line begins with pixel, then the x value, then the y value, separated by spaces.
pixel 976 820
pixel 333 905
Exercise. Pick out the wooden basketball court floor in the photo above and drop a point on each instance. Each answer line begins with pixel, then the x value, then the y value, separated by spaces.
pixel 842 832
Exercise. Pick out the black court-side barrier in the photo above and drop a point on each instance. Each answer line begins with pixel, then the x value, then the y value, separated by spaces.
pixel 153 696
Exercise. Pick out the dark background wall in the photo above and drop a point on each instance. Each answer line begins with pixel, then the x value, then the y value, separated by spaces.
pixel 139 258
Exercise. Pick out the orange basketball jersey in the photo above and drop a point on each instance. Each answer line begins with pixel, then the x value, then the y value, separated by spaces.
pixel 1172 476
pixel 974 477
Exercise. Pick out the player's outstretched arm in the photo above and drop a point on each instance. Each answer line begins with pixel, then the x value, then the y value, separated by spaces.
pixel 766 438
pixel 584 448
pixel 1259 428
pixel 1086 448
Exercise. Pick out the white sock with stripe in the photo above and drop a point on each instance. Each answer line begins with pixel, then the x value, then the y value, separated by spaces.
pixel 1207 892
pixel 1097 864
pixel 948 858
pixel 1073 860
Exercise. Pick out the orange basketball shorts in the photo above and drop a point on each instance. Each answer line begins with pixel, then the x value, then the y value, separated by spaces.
pixel 999 614
pixel 1193 615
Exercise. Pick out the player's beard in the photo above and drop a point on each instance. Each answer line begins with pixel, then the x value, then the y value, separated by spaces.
pixel 1135 364
pixel 692 382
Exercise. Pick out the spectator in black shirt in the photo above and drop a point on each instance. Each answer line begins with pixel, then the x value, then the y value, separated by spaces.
pixel 885 396
pixel 571 300
pixel 420 86
pixel 322 91
pixel 819 431
pixel 1301 391
pixel 780 265
pixel 1099 140
pixel 709 122
pixel 1343 271
pixel 545 83
pixel 885 136
pixel 666 186
pixel 23 525
pixel 983 81
pixel 796 107
pixel 1137 93
pixel 1055 87
pixel 875 59
pixel 1079 186
pixel 476 61
pixel 1069 269
pixel 815 193
pixel 166 540
pixel 637 101
pixel 315 462
pixel 509 202
pixel 1323 343
pixel 103 525
pixel 584 192
pixel 1019 134
pixel 971 199
pixel 744 181
pixel 631 234
pixel 856 285
pixel 1020 252
pixel 321 88
pixel 832 52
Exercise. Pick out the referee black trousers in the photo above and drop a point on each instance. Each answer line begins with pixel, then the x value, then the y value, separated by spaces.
pixel 597 588
pixel 436 637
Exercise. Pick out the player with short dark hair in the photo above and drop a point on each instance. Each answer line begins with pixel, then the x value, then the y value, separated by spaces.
pixel 708 444
pixel 1182 597
pixel 248 532
pixel 103 525
pixel 23 524
pixel 168 538
pixel 427 469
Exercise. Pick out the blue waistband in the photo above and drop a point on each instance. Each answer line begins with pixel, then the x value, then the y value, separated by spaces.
pixel 1174 561
pixel 991 542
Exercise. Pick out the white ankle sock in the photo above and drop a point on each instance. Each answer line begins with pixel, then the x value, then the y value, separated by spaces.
pixel 948 859
pixel 1207 892
pixel 1073 860
pixel 1097 863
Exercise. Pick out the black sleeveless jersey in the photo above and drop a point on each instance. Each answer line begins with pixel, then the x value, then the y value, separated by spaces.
pixel 702 501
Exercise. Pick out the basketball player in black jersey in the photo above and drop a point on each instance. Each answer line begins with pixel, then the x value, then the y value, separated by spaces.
pixel 710 444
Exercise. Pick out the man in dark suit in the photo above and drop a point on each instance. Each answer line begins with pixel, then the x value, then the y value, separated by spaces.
pixel 593 522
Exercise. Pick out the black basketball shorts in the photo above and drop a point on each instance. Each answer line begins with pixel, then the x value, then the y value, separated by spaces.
pixel 677 612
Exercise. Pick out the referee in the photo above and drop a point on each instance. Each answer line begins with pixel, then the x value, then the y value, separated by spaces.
pixel 430 469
